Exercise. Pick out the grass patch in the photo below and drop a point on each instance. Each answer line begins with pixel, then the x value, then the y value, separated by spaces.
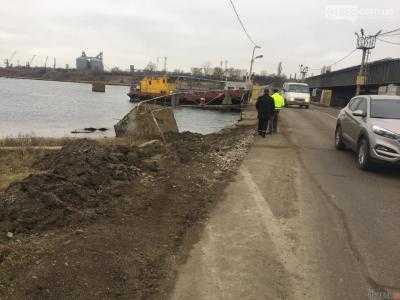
pixel 7 179
pixel 25 141
pixel 17 165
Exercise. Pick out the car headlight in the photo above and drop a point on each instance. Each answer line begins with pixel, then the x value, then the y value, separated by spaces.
pixel 385 133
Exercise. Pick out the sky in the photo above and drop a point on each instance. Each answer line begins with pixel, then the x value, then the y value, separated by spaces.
pixel 191 33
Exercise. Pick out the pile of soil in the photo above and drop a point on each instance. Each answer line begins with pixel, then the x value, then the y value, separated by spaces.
pixel 112 221
pixel 75 185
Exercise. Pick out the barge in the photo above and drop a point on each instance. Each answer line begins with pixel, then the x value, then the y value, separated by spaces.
pixel 190 91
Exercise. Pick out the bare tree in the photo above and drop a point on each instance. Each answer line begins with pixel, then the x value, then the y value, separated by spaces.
pixel 235 74
pixel 197 72
pixel 178 71
pixel 218 72
pixel 151 67
pixel 207 68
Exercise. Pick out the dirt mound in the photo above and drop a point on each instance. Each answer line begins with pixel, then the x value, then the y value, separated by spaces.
pixel 75 184
pixel 145 220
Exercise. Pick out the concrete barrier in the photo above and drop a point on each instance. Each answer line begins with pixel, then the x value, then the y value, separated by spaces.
pixel 147 121
pixel 99 87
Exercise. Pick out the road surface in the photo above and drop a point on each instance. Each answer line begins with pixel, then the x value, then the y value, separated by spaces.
pixel 300 221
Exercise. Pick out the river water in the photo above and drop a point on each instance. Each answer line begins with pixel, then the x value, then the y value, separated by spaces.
pixel 54 109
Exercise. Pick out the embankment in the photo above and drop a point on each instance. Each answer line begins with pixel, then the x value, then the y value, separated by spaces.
pixel 64 75
pixel 97 220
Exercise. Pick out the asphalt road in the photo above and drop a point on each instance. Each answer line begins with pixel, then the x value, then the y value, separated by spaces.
pixel 299 221
pixel 366 204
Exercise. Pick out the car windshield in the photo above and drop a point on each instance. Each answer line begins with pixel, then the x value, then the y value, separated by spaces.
pixel 298 88
pixel 385 109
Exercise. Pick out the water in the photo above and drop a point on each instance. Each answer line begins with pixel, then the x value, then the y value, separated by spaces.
pixel 54 109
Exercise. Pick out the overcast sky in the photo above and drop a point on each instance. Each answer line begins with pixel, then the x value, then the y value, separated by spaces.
pixel 192 32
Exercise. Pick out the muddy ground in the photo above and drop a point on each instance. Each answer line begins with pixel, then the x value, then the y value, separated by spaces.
pixel 111 221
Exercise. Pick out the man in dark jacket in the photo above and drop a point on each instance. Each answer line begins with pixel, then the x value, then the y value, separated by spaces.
pixel 266 109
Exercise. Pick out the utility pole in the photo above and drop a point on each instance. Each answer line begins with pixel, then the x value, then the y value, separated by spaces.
pixel 226 70
pixel 279 71
pixel 303 71
pixel 165 64
pixel 365 44
pixel 158 63
pixel 54 63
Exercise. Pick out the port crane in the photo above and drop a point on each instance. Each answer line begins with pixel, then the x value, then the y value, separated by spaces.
pixel 8 61
pixel 29 63
pixel 45 62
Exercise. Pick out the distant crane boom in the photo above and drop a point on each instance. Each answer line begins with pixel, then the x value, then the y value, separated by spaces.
pixel 8 61
pixel 31 61
pixel 45 62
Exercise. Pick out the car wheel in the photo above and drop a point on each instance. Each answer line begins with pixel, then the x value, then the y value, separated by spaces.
pixel 363 155
pixel 339 144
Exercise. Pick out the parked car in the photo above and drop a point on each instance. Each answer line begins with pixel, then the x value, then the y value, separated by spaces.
pixel 296 93
pixel 370 126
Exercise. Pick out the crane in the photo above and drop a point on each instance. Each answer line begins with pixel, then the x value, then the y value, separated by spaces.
pixel 29 63
pixel 45 62
pixel 8 61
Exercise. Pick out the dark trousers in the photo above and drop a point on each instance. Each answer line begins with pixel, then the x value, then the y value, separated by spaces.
pixel 275 121
pixel 262 125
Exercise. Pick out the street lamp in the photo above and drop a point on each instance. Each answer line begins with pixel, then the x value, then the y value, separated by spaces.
pixel 253 59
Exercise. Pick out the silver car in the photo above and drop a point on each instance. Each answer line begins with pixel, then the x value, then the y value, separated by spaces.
pixel 370 126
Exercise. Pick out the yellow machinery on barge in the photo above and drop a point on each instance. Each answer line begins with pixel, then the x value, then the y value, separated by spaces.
pixel 150 87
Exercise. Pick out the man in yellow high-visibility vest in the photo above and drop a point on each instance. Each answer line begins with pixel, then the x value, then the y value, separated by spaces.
pixel 279 105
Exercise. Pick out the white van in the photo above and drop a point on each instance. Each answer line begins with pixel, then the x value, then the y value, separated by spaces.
pixel 297 93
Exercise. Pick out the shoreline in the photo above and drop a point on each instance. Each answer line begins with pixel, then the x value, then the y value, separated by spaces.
pixel 66 81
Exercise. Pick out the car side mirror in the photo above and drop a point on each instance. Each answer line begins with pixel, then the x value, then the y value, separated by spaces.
pixel 359 113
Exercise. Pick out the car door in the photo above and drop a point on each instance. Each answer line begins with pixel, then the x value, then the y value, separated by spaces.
pixel 357 123
pixel 347 120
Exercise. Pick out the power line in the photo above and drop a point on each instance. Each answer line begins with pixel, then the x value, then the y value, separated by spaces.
pixel 391 31
pixel 340 60
pixel 388 42
pixel 241 23
pixel 344 58
pixel 392 34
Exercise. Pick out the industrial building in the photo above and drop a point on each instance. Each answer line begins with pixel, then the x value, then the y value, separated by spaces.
pixel 341 84
pixel 88 63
